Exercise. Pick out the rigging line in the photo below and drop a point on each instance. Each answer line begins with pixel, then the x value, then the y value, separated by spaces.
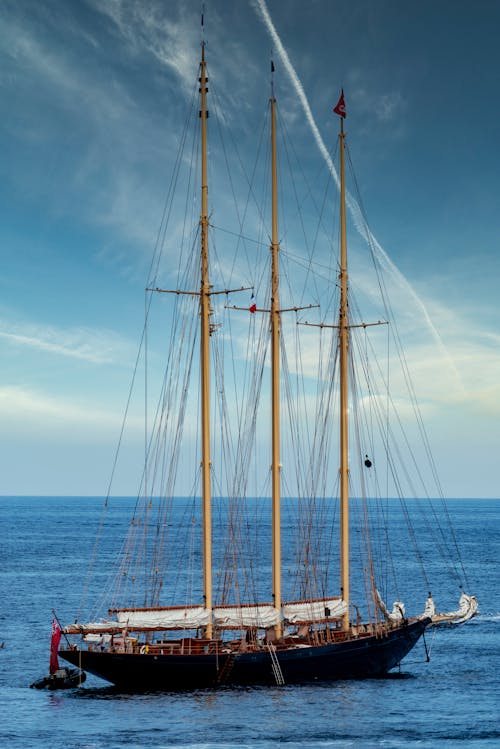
pixel 309 193
pixel 359 413
pixel 412 392
pixel 117 451
pixel 323 415
pixel 401 426
pixel 373 406
pixel 250 181
pixel 168 203
pixel 168 397
pixel 312 263
pixel 94 554
pixel 285 150
pixel 401 494
pixel 157 255
pixel 190 216
pixel 186 524
pixel 364 230
pixel 246 438
pixel 239 235
pixel 351 203
pixel 287 141
pixel 301 392
pixel 240 218
pixel 307 508
pixel 439 527
pixel 162 426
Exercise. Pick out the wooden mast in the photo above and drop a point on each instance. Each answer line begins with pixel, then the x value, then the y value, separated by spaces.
pixel 275 377
pixel 344 393
pixel 205 312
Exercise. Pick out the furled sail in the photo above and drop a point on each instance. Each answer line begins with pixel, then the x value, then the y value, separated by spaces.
pixel 323 609
pixel 467 608
pixel 236 617
pixel 260 616
pixel 398 609
pixel 92 628
pixel 172 617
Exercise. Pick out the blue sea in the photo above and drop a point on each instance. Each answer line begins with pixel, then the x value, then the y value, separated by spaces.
pixel 452 701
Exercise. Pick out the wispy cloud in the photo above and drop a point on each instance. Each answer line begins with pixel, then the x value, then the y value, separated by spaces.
pixel 91 118
pixel 94 346
pixel 27 408
pixel 386 106
pixel 145 27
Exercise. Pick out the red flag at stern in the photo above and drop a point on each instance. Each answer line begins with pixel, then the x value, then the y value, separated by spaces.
pixel 54 646
pixel 340 108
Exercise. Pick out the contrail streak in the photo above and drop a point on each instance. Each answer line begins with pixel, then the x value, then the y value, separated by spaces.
pixel 352 204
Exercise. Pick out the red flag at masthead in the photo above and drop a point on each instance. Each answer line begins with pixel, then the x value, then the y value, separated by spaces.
pixel 340 108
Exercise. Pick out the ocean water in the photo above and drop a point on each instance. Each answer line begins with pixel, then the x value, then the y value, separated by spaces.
pixel 452 701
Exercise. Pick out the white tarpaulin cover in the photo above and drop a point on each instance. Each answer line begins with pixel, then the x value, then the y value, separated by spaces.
pixel 311 611
pixel 178 617
pixel 76 629
pixel 261 616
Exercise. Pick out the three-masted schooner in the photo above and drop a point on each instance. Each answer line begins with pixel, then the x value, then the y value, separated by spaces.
pixel 212 643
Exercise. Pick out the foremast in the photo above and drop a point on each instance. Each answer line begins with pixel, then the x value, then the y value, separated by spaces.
pixel 344 389
pixel 205 312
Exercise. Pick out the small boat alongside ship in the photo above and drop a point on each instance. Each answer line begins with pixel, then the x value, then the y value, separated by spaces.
pixel 59 678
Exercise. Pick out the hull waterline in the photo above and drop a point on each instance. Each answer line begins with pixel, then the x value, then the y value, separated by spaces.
pixel 361 657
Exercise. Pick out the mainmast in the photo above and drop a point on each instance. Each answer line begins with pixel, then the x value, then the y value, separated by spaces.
pixel 275 375
pixel 344 383
pixel 205 312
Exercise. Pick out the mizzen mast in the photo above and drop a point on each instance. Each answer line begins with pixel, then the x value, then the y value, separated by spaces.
pixel 344 381
pixel 205 312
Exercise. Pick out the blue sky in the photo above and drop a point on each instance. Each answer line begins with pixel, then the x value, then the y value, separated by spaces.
pixel 93 94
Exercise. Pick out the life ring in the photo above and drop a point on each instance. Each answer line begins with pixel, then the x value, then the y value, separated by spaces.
pixel 144 649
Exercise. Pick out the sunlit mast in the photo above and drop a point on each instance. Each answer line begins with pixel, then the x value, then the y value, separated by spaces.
pixel 205 312
pixel 344 393
pixel 275 376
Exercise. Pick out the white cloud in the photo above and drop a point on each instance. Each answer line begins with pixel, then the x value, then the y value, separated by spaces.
pixel 386 106
pixel 94 346
pixel 24 407
pixel 146 27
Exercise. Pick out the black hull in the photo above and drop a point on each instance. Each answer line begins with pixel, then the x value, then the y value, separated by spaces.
pixel 352 659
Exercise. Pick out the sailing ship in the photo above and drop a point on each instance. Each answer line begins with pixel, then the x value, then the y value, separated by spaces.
pixel 234 635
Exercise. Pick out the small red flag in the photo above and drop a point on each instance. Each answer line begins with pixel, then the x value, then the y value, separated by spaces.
pixel 54 646
pixel 340 108
pixel 253 308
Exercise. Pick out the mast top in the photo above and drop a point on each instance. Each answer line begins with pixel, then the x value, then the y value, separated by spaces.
pixel 202 23
pixel 339 109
